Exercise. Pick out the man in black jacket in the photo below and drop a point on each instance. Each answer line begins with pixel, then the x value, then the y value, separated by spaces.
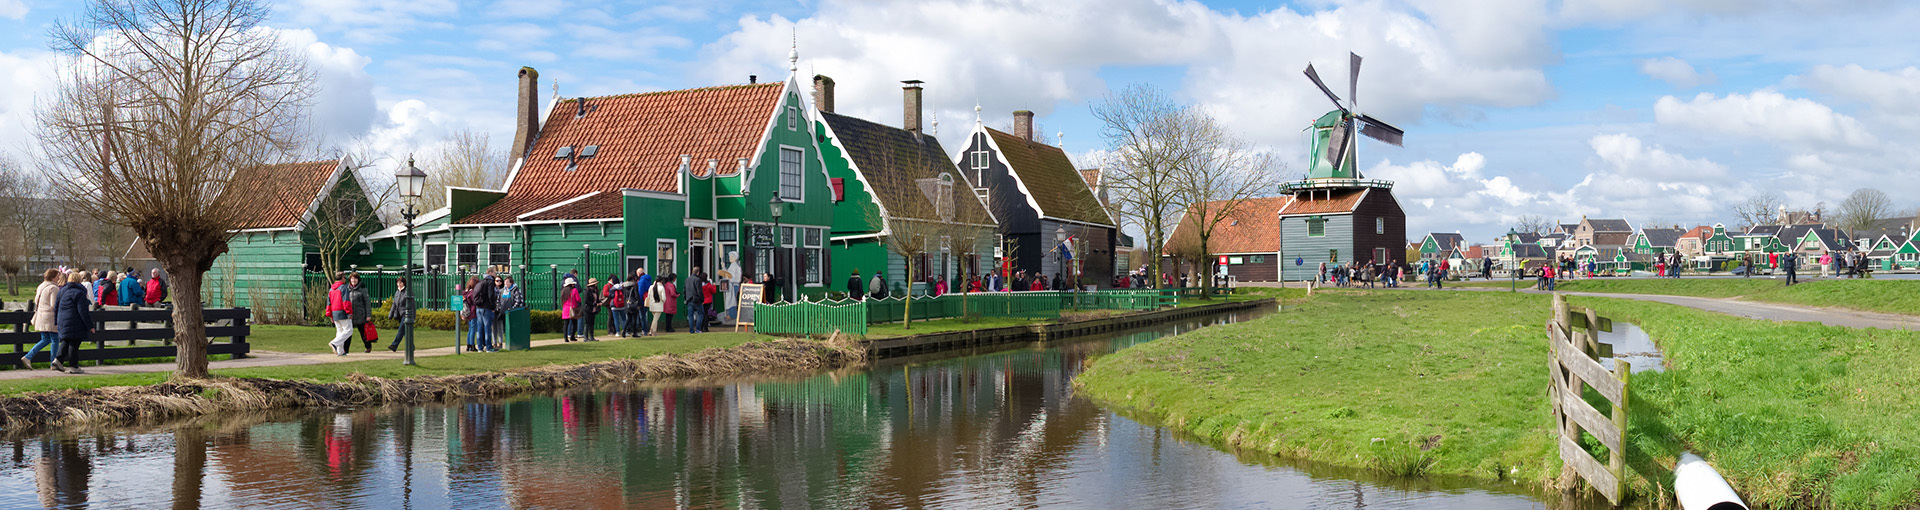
pixel 856 289
pixel 485 297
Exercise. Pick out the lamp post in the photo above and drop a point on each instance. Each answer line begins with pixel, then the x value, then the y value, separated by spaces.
pixel 1513 274
pixel 776 207
pixel 412 183
pixel 1060 245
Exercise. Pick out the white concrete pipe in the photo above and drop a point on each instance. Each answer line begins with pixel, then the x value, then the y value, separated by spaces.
pixel 1699 487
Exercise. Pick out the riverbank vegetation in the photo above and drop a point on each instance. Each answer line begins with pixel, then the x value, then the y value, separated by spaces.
pixel 141 397
pixel 1795 415
pixel 1873 295
pixel 1405 383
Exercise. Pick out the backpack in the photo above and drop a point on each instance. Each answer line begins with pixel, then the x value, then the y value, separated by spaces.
pixel 616 298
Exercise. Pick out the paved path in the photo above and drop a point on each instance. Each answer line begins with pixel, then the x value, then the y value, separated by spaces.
pixel 1756 309
pixel 261 359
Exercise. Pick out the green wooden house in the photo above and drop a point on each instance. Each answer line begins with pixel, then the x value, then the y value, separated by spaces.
pixel 1654 241
pixel 675 181
pixel 306 211
pixel 895 185
pixel 1908 255
pixel 1439 245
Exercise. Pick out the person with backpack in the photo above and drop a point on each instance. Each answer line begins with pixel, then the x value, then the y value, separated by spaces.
pixel 636 299
pixel 879 286
pixel 615 300
pixel 105 293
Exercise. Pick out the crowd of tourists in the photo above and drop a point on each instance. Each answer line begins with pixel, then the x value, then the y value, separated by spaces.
pixel 63 303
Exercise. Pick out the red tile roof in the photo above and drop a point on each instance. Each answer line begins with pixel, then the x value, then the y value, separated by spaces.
pixel 1253 227
pixel 1342 201
pixel 604 204
pixel 282 192
pixel 640 139
pixel 1701 232
pixel 1475 252
pixel 1092 176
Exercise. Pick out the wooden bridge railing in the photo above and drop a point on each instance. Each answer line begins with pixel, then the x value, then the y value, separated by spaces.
pixel 1573 337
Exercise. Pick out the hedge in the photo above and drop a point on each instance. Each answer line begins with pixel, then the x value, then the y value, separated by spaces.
pixel 544 321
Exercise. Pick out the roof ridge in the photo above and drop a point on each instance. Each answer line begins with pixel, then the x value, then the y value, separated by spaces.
pixel 677 91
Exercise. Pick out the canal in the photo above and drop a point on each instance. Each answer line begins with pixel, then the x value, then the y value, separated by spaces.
pixel 977 430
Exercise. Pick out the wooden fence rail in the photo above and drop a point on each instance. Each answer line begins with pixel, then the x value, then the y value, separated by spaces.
pixel 1575 349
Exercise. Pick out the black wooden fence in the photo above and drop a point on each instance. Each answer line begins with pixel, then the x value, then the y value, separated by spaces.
pixel 128 329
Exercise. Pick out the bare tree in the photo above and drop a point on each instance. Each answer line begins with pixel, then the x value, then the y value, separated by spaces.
pixel 1215 182
pixel 1151 137
pixel 465 159
pixel 1533 224
pixel 1862 208
pixel 161 105
pixel 1760 209
pixel 923 215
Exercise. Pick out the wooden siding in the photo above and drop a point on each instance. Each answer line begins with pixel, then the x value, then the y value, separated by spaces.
pixel 1379 203
pixel 258 269
pixel 1249 271
pixel 1313 250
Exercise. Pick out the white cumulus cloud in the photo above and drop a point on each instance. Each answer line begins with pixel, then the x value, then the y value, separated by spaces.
pixel 1764 115
pixel 1676 72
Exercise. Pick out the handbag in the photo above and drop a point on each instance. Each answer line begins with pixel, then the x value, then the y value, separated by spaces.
pixel 372 333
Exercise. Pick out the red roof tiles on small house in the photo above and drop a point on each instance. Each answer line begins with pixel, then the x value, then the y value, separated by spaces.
pixel 1340 202
pixel 638 140
pixel 1254 227
pixel 283 193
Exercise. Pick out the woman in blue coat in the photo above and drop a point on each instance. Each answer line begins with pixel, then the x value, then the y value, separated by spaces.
pixel 73 321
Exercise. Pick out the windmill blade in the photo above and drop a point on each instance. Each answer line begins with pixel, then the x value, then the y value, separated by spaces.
pixel 1338 144
pixel 1353 80
pixel 1382 131
pixel 1323 87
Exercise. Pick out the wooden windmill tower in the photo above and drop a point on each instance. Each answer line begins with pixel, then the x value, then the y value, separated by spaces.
pixel 1337 215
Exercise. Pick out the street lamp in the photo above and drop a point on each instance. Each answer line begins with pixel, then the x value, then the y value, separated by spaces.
pixel 1513 247
pixel 1060 245
pixel 776 207
pixel 412 183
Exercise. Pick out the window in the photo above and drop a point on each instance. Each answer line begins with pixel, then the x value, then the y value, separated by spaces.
pixel 469 254
pixel 589 151
pixel 313 262
pixel 436 257
pixel 786 236
pixel 1379 225
pixel 812 271
pixel 563 152
pixel 1259 259
pixel 498 254
pixel 665 250
pixel 793 118
pixel 1316 227
pixel 813 238
pixel 348 211
pixel 1333 255
pixel 791 176
pixel 943 204
pixel 762 262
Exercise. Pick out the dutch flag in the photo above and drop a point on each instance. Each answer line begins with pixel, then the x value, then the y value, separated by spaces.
pixel 1066 249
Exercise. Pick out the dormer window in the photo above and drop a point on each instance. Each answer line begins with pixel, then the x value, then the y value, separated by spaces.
pixel 563 152
pixel 589 151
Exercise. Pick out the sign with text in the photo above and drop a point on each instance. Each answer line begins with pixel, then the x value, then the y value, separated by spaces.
pixel 750 295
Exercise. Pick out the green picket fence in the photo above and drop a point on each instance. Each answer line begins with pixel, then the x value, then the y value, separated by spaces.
pixel 810 318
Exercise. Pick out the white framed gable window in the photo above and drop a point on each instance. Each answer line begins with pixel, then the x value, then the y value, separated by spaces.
pixel 792 174
pixel 1379 225
pixel 793 118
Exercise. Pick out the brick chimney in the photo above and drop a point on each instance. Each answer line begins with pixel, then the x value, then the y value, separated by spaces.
pixel 526 125
pixel 911 108
pixel 823 93
pixel 1023 124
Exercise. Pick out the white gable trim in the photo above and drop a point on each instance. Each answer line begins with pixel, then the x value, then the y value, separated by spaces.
pixel 886 228
pixel 333 180
pixel 556 205
pixel 1001 156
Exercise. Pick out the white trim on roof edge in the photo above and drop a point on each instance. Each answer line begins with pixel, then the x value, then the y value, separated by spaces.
pixel 555 205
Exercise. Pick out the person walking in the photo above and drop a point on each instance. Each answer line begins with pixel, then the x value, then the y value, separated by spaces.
pixel 361 309
pixel 655 304
pixel 1789 263
pixel 402 312
pixel 856 289
pixel 589 304
pixel 1442 282
pixel 615 300
pixel 73 319
pixel 340 311
pixel 669 284
pixel 629 308
pixel 696 307
pixel 569 308
pixel 45 304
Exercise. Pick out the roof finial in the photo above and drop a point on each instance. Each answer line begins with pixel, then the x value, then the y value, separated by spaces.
pixel 793 55
pixel 976 115
pixel 1060 139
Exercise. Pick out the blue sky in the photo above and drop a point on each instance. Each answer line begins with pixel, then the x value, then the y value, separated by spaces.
pixel 1653 110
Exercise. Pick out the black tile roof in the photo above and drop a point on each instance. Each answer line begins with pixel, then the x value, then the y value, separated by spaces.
pixel 894 160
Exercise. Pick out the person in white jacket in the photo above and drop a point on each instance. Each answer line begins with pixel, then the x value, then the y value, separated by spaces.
pixel 45 298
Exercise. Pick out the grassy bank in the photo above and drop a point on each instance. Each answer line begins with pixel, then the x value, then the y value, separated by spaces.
pixel 1886 296
pixel 562 354
pixel 313 339
pixel 1793 414
pixel 1400 382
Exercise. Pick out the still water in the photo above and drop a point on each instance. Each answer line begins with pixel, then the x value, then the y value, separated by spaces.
pixel 989 430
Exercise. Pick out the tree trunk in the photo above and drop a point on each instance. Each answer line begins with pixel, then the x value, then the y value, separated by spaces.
pixel 907 321
pixel 1206 261
pixel 189 324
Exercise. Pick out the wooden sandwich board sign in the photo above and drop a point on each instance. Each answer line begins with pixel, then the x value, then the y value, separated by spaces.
pixel 750 294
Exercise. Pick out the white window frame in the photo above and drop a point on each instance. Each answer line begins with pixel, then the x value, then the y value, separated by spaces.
pixel 674 249
pixel 800 174
pixel 717 229
pixel 793 117
pixel 1379 226
pixel 813 260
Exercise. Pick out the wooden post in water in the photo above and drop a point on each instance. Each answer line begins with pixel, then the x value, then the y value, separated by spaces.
pixel 1575 366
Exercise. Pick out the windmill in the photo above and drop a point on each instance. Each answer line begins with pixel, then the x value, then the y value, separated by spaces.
pixel 1335 131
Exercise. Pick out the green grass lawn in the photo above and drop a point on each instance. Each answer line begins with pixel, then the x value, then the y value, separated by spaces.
pixel 1363 380
pixel 313 339
pixel 1888 296
pixel 1793 414
pixel 571 353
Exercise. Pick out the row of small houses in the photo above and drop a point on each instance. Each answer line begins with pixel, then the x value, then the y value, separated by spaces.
pixel 1248 245
pixel 734 181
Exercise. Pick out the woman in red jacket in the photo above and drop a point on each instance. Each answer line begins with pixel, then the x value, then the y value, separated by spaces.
pixel 341 313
